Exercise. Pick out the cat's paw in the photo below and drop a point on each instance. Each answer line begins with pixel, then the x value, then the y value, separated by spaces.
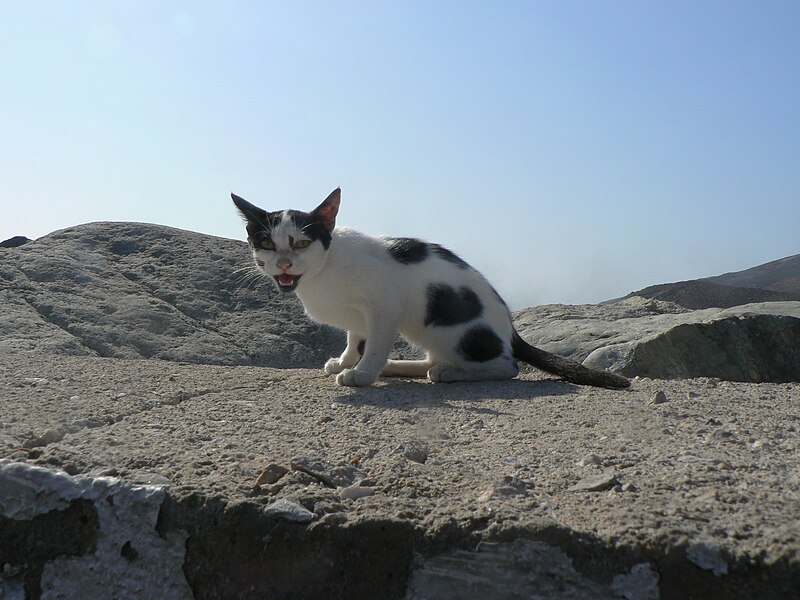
pixel 354 378
pixel 444 374
pixel 333 366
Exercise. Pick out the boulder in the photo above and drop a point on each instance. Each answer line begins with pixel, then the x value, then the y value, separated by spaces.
pixel 638 336
pixel 132 290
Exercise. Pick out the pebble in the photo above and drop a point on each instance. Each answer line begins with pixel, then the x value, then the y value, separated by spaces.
pixel 289 511
pixel 354 492
pixel 50 436
pixel 416 451
pixel 658 398
pixel 331 475
pixel 589 459
pixel 707 557
pixel 596 483
pixel 271 474
pixel 504 488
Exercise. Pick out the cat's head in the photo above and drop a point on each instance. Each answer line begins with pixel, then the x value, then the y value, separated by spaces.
pixel 290 244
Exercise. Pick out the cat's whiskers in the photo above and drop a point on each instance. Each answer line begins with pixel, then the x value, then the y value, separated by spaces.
pixel 250 277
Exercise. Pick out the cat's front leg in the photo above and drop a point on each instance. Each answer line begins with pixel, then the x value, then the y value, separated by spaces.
pixel 350 356
pixel 381 333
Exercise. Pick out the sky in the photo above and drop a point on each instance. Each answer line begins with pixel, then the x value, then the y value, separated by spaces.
pixel 572 152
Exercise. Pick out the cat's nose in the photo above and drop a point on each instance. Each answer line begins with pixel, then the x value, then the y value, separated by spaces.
pixel 284 263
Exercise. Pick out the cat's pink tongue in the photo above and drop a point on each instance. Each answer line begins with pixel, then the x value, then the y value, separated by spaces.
pixel 286 279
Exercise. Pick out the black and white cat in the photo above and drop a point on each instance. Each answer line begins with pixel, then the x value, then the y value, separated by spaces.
pixel 376 287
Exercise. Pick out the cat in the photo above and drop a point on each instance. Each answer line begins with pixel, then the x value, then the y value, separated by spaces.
pixel 375 287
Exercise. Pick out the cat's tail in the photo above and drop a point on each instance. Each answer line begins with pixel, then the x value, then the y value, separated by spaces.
pixel 570 370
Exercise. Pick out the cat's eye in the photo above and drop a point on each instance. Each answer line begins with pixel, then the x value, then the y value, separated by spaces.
pixel 300 244
pixel 267 244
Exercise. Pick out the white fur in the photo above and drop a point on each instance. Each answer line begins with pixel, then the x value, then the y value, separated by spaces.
pixel 357 286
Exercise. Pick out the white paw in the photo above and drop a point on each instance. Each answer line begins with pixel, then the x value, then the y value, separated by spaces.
pixel 353 377
pixel 333 366
pixel 435 373
pixel 443 374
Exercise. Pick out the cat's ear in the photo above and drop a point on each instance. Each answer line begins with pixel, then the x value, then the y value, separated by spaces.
pixel 325 213
pixel 249 211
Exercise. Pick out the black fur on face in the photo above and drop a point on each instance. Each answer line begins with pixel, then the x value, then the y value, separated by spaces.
pixel 260 223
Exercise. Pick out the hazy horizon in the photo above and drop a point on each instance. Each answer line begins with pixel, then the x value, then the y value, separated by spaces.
pixel 571 152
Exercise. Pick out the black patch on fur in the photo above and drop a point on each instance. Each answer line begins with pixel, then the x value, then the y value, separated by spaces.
pixel 480 344
pixel 449 256
pixel 408 250
pixel 448 307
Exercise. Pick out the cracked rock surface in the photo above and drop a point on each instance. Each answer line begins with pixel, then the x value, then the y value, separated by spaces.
pixel 700 494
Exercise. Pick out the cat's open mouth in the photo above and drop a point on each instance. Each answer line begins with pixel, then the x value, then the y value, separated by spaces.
pixel 286 282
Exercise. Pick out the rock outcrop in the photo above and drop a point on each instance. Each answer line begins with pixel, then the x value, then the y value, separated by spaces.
pixel 637 336
pixel 131 290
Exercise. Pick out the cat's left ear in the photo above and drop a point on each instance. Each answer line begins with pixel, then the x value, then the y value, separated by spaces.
pixel 325 213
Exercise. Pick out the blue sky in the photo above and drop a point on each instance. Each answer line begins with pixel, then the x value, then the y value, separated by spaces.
pixel 571 151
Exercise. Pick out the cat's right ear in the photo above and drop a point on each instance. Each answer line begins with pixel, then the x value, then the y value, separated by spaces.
pixel 249 211
pixel 325 213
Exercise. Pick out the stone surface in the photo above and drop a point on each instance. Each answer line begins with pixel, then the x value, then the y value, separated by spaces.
pixel 132 290
pixel 127 556
pixel 635 336
pixel 210 430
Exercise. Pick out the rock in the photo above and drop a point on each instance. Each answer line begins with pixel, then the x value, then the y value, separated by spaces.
pixel 354 492
pixel 596 483
pixel 50 436
pixel 289 511
pixel 14 242
pixel 130 290
pixel 121 552
pixel 416 451
pixel 330 474
pixel 707 557
pixel 518 569
pixel 589 459
pixel 504 488
pixel 658 398
pixel 640 584
pixel 635 336
pixel 736 344
pixel 272 473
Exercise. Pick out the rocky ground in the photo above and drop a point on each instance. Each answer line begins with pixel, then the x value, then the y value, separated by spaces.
pixel 278 483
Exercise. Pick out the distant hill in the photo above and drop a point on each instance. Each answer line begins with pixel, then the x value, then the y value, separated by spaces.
pixel 781 275
pixel 775 281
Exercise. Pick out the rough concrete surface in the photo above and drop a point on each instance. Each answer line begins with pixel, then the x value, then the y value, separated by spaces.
pixel 531 488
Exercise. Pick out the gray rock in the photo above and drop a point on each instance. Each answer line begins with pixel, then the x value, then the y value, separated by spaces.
pixel 658 398
pixel 131 290
pixel 126 556
pixel 416 451
pixel 354 492
pixel 513 570
pixel 648 338
pixel 596 483
pixel 289 511
pixel 640 584
pixel 330 474
pixel 506 487
pixel 708 557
